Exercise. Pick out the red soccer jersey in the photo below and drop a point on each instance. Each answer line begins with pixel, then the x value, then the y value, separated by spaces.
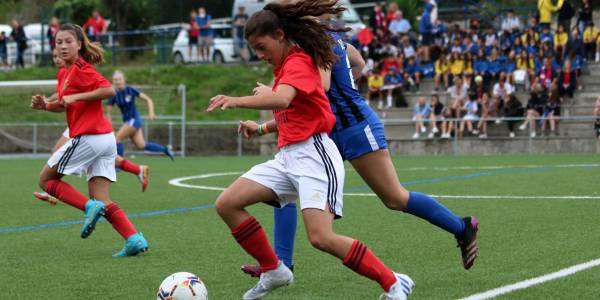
pixel 83 117
pixel 309 112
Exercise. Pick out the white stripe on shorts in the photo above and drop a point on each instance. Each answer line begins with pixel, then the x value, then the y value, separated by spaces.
pixel 371 138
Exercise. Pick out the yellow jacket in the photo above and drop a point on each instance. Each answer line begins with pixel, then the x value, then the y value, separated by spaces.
pixel 441 68
pixel 457 67
pixel 375 81
pixel 546 9
pixel 589 35
pixel 561 39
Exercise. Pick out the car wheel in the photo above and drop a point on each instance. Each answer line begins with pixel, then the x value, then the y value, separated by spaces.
pixel 218 57
pixel 178 58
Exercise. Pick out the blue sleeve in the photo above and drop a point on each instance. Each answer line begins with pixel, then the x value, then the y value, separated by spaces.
pixel 134 92
pixel 112 100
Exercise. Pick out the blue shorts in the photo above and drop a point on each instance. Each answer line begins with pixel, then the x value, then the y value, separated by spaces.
pixel 360 139
pixel 134 122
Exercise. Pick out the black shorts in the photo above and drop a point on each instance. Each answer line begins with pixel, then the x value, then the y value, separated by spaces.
pixel 427 39
pixel 193 41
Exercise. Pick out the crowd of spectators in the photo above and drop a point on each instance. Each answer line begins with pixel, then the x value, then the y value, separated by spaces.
pixel 480 68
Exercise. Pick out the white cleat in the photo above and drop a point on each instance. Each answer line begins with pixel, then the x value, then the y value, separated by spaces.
pixel 416 136
pixel 435 130
pixel 400 290
pixel 269 281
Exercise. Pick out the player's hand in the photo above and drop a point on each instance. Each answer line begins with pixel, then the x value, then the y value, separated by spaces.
pixel 248 128
pixel 67 100
pixel 37 102
pixel 151 116
pixel 262 89
pixel 221 101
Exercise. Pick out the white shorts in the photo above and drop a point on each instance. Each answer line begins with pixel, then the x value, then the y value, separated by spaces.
pixel 93 155
pixel 66 133
pixel 311 171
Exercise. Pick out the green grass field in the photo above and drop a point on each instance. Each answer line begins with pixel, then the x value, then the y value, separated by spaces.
pixel 520 238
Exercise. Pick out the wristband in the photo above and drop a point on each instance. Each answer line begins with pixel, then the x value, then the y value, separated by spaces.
pixel 265 128
pixel 260 130
pixel 46 105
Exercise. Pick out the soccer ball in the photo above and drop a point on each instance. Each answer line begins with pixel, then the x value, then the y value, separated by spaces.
pixel 182 286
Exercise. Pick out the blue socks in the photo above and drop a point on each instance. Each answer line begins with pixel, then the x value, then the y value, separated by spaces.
pixel 429 209
pixel 120 149
pixel 286 220
pixel 154 147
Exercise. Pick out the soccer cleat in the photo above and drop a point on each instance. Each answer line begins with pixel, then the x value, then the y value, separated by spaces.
pixel 468 242
pixel 45 197
pixel 255 271
pixel 269 281
pixel 400 290
pixel 135 244
pixel 94 209
pixel 143 176
pixel 169 153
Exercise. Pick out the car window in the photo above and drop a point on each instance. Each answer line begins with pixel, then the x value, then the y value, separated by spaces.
pixel 223 33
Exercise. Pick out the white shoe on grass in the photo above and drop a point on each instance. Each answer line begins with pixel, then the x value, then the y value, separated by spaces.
pixel 400 290
pixel 269 281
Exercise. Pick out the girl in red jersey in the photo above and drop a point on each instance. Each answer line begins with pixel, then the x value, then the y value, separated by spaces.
pixel 308 169
pixel 91 148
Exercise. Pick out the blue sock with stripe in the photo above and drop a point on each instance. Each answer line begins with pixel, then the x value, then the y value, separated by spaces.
pixel 154 147
pixel 286 220
pixel 120 149
pixel 431 210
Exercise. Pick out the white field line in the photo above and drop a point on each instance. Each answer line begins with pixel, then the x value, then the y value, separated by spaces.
pixel 534 281
pixel 179 182
pixel 590 165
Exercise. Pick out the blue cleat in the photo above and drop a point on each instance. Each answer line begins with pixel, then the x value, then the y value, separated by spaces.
pixel 134 245
pixel 94 209
pixel 169 153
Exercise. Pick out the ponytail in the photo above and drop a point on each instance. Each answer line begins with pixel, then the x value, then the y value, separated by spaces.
pixel 90 52
pixel 299 22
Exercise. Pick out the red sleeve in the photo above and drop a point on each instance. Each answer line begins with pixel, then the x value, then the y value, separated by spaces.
pixel 87 23
pixel 88 79
pixel 300 73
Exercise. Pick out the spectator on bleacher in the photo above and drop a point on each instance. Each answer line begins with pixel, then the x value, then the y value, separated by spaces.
pixel 490 38
pixel 585 15
pixel 438 31
pixel 18 35
pixel 457 65
pixel 547 73
pixel 590 36
pixel 239 21
pixel 552 110
pixel 561 38
pixel 514 109
pixel 95 26
pixel 470 110
pixel 511 23
pixel 458 93
pixel 3 49
pixel 494 66
pixel 392 8
pixel 597 115
pixel 518 46
pixel 546 8
pixel 412 73
pixel 193 34
pixel 375 83
pixel 437 116
pixel 565 14
pixel 597 108
pixel 503 88
pixel 51 33
pixel 468 71
pixel 506 42
pixel 393 81
pixel 480 66
pixel 535 108
pixel 567 81
pixel 426 24
pixel 407 48
pixel 478 88
pixel 377 20
pixel 399 26
pixel 546 36
pixel 204 21
pixel 525 70
pixel 442 72
pixel 484 104
pixel 576 46
pixel 421 111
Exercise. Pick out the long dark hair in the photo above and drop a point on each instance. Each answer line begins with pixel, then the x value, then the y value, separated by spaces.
pixel 90 52
pixel 299 22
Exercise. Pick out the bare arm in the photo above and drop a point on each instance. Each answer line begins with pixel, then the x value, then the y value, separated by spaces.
pixel 150 104
pixel 108 111
pixel 325 79
pixel 262 100
pixel 97 94
pixel 357 63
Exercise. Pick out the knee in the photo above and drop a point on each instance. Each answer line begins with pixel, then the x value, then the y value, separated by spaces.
pixel 398 201
pixel 224 204
pixel 321 240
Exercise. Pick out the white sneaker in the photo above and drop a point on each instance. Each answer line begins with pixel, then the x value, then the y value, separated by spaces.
pixel 523 127
pixel 416 136
pixel 269 281
pixel 435 129
pixel 483 136
pixel 431 135
pixel 423 129
pixel 498 121
pixel 400 290
pixel 511 135
pixel 533 134
pixel 475 132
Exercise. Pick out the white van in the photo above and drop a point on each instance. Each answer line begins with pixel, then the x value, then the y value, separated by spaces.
pixel 350 16
pixel 222 50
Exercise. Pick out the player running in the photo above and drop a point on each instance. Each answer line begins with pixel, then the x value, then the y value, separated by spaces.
pixel 132 121
pixel 359 135
pixel 141 171
pixel 91 147
pixel 308 168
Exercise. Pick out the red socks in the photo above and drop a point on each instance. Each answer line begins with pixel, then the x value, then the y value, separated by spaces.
pixel 129 167
pixel 119 221
pixel 254 240
pixel 66 193
pixel 362 261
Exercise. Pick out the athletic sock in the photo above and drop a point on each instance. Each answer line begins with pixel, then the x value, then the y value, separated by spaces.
pixel 66 193
pixel 284 232
pixel 120 149
pixel 361 260
pixel 431 210
pixel 389 101
pixel 119 220
pixel 251 236
pixel 154 147
pixel 129 167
